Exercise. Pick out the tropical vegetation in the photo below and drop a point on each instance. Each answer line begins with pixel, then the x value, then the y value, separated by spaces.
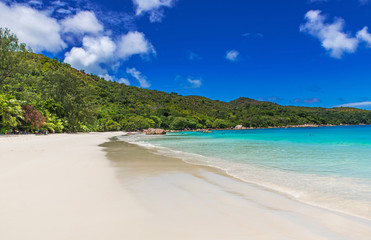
pixel 39 93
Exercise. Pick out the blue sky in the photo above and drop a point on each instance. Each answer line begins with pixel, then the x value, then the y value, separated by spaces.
pixel 308 53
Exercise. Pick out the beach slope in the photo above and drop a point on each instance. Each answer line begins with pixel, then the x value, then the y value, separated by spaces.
pixel 68 187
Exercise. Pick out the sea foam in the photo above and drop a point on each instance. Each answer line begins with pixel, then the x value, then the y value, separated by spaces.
pixel 310 165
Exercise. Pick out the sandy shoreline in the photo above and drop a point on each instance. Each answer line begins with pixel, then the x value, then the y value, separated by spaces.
pixel 65 187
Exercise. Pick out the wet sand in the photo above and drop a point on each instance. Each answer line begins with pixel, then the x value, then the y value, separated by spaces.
pixel 197 202
pixel 66 187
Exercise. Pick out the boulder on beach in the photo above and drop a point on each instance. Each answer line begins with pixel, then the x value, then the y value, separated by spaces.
pixel 154 131
pixel 238 127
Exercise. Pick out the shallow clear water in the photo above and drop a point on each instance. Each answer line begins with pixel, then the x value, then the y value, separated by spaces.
pixel 327 166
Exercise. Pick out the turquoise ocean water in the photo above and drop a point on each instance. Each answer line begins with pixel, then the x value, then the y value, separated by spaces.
pixel 328 166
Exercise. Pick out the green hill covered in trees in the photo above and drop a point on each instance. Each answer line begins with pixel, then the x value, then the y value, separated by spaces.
pixel 39 93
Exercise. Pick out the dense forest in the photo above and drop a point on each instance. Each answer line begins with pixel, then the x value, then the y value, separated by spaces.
pixel 38 93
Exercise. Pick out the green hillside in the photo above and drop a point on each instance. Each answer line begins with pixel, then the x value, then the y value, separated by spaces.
pixel 39 93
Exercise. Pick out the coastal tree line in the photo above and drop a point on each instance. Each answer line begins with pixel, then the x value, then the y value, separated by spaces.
pixel 39 93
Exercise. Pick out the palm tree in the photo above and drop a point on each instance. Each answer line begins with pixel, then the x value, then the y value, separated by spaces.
pixel 10 112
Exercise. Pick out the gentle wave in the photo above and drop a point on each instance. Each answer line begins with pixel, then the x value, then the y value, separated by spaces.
pixel 338 193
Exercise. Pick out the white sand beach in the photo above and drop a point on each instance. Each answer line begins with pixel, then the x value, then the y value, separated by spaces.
pixel 67 187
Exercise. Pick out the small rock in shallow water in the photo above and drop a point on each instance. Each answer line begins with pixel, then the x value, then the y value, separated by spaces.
pixel 154 131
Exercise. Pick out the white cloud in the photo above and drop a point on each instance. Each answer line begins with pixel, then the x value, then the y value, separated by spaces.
pixel 81 23
pixel 154 7
pixel 124 81
pixel 134 43
pixel 331 35
pixel 63 11
pixel 149 5
pixel 113 78
pixel 156 16
pixel 194 83
pixel 94 51
pixel 60 7
pixel 33 27
pixel 232 55
pixel 364 35
pixel 366 104
pixel 36 3
pixel 99 53
pixel 107 77
pixel 59 3
pixel 138 76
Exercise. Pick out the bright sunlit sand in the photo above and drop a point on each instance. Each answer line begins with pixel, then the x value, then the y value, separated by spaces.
pixel 68 187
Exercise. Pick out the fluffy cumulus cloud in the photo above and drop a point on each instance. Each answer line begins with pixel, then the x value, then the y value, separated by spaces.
pixel 194 83
pixel 102 50
pixel 38 30
pixel 364 35
pixel 133 72
pixel 153 7
pixel 331 35
pixel 81 23
pixel 94 52
pixel 232 55
pixel 134 43
pixel 89 45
